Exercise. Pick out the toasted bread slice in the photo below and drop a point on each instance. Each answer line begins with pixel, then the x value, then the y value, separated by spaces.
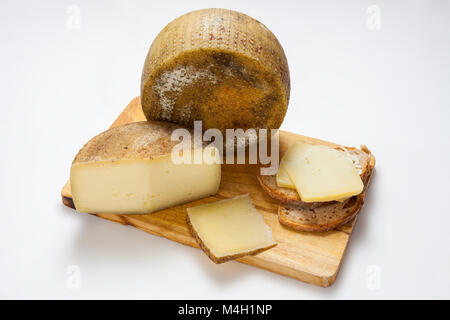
pixel 319 219
pixel 328 215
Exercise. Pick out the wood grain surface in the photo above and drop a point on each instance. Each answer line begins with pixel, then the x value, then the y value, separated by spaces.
pixel 310 257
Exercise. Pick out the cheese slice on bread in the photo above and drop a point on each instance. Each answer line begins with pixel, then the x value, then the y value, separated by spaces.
pixel 321 173
pixel 320 216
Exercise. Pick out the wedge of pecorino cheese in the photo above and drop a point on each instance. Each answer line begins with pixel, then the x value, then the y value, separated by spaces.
pixel 130 170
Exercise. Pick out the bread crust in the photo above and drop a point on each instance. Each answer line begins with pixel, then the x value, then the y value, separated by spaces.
pixel 285 195
pixel 285 212
pixel 219 260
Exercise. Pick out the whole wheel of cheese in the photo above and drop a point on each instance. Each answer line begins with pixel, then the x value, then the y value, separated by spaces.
pixel 219 66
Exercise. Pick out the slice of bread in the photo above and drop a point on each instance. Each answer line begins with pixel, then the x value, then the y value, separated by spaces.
pixel 320 216
pixel 320 219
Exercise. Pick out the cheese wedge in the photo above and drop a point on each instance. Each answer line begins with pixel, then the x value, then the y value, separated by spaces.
pixel 219 66
pixel 129 170
pixel 321 173
pixel 229 229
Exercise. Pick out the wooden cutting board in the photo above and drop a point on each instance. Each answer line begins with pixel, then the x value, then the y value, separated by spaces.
pixel 311 257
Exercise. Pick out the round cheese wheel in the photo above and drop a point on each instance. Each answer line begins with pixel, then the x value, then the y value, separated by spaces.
pixel 219 66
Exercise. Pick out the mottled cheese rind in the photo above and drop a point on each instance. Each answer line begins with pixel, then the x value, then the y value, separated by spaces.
pixel 219 66
pixel 137 140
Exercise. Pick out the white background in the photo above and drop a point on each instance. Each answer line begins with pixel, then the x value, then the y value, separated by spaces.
pixel 62 83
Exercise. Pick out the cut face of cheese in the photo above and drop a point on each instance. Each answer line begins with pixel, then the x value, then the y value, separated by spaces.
pixel 321 173
pixel 219 66
pixel 230 229
pixel 130 170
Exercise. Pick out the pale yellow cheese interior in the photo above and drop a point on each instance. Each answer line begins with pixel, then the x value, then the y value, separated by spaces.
pixel 321 173
pixel 140 185
pixel 231 226
pixel 283 179
pixel 295 151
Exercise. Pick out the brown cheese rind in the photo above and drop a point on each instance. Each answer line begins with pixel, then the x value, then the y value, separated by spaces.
pixel 219 66
pixel 221 259
pixel 138 140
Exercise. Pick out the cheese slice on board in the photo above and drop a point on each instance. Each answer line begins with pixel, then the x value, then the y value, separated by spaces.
pixel 129 170
pixel 219 66
pixel 229 229
pixel 322 173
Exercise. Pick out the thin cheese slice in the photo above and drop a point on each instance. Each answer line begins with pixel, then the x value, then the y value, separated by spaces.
pixel 283 179
pixel 230 229
pixel 294 151
pixel 321 173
